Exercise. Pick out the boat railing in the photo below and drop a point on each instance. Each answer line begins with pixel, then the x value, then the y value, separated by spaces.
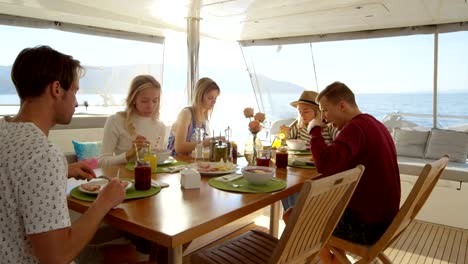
pixel 410 120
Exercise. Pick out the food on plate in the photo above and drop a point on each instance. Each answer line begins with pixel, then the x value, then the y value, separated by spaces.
pixel 220 166
pixel 91 187
pixel 95 187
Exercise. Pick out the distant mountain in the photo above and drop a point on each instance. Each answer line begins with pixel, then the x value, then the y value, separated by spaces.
pixel 97 80
pixel 116 79
pixel 270 86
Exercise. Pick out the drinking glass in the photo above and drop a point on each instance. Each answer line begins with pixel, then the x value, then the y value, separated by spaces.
pixel 142 175
pixel 263 158
pixel 282 158
pixel 198 136
pixel 145 153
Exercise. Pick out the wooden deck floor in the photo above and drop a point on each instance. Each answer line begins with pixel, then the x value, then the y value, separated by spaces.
pixel 425 242
pixel 422 242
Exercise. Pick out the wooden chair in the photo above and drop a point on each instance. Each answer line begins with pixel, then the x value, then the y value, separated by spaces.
pixel 415 201
pixel 319 207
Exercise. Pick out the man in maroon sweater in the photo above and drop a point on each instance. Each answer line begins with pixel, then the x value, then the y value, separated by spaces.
pixel 362 140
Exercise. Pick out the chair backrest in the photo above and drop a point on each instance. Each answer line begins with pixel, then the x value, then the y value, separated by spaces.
pixel 413 203
pixel 316 213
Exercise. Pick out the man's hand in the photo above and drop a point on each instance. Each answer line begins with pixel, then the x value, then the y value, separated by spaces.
pixel 80 171
pixel 112 194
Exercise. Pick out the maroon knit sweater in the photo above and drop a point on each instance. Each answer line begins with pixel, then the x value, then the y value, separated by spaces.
pixel 366 141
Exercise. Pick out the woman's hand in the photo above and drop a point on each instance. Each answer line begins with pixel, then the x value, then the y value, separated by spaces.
pixel 317 121
pixel 139 141
pixel 206 141
pixel 285 130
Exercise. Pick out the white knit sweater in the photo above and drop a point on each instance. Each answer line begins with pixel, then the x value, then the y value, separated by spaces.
pixel 117 140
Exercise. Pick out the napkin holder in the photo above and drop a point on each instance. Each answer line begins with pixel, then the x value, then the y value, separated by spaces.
pixel 190 179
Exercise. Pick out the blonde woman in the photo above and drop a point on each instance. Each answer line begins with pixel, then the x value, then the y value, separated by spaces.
pixel 307 110
pixel 181 140
pixel 139 123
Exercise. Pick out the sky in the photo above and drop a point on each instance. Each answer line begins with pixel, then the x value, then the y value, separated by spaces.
pixel 385 65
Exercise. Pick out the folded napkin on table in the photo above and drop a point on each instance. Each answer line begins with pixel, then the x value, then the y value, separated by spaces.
pixel 302 161
pixel 229 177
pixel 174 168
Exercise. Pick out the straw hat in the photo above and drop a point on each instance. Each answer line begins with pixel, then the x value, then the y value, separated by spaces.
pixel 307 97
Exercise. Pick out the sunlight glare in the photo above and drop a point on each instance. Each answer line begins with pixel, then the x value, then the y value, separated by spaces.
pixel 172 12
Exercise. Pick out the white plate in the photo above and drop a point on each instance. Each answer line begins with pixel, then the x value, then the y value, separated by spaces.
pixel 168 161
pixel 215 173
pixel 103 183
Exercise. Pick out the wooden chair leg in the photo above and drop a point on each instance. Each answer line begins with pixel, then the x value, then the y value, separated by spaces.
pixel 160 253
pixel 154 252
pixel 339 254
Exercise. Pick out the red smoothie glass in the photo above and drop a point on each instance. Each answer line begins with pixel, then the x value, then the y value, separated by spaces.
pixel 263 158
pixel 282 158
pixel 142 176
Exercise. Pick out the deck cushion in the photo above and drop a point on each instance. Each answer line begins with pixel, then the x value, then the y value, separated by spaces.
pixel 447 142
pixel 410 143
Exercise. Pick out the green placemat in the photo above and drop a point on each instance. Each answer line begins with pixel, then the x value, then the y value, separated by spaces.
pixel 131 166
pixel 245 187
pixel 130 194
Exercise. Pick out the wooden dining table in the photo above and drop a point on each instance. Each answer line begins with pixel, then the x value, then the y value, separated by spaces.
pixel 176 216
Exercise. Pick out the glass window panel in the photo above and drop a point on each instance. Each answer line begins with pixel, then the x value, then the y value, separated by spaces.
pixel 281 73
pixel 223 62
pixel 110 65
pixel 388 75
pixel 453 81
pixel 174 96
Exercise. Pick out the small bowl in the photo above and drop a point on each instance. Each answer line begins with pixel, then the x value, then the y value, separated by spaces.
pixel 296 144
pixel 258 175
pixel 162 155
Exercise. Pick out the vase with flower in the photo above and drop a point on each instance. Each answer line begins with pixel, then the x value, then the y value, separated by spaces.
pixel 253 144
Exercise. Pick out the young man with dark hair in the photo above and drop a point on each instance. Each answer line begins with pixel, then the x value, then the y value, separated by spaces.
pixel 34 220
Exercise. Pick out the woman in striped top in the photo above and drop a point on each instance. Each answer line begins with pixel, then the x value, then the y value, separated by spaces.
pixel 308 109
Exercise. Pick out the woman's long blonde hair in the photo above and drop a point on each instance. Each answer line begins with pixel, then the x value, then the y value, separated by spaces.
pixel 138 84
pixel 203 86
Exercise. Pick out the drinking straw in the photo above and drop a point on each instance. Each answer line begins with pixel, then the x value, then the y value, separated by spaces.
pixel 118 173
pixel 136 151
